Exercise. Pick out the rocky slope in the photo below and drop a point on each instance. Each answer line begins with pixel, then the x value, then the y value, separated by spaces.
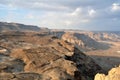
pixel 89 40
pixel 83 41
pixel 39 56
pixel 95 35
pixel 4 26
pixel 104 36
pixel 113 74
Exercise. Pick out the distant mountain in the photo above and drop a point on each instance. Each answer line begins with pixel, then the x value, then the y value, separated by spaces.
pixel 83 41
pixel 96 35
pixel 104 35
pixel 4 26
pixel 88 40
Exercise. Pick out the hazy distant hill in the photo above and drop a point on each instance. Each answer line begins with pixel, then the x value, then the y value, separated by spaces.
pixel 96 35
pixel 104 35
pixel 4 26
pixel 90 40
pixel 83 41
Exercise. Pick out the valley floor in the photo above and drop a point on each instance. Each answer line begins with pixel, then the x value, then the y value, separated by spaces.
pixel 109 58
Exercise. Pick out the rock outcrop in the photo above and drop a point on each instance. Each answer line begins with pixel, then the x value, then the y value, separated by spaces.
pixel 113 74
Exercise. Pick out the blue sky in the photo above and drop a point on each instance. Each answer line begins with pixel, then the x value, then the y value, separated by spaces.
pixel 63 14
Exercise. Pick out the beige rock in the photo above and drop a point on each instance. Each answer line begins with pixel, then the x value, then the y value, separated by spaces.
pixel 114 74
pixel 100 77
pixel 6 76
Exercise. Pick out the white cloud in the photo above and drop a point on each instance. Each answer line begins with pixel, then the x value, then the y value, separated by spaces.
pixel 91 12
pixel 47 6
pixel 68 23
pixel 77 12
pixel 66 19
pixel 115 7
pixel 30 16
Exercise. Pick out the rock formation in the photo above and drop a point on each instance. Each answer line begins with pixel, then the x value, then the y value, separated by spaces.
pixel 95 35
pixel 113 74
pixel 83 41
pixel 104 36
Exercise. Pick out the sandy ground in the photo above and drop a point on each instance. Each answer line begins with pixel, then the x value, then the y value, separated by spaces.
pixel 107 58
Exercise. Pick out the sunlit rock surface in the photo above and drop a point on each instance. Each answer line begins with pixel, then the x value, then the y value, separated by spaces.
pixel 113 74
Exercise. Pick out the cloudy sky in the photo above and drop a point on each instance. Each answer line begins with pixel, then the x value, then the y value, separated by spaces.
pixel 63 14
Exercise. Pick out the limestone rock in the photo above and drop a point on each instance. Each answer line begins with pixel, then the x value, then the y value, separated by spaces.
pixel 113 74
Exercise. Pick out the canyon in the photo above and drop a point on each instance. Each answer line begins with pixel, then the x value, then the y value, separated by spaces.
pixel 31 53
pixel 103 47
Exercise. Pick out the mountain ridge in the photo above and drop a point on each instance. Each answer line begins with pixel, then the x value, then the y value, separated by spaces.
pixel 4 26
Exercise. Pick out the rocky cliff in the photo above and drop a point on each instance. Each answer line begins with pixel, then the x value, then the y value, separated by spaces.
pixel 113 74
pixel 37 56
pixel 95 35
pixel 83 41
pixel 89 40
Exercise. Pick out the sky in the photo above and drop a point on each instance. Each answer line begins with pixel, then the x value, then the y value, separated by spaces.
pixel 102 15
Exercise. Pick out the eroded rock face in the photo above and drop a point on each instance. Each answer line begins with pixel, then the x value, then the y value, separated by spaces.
pixel 46 58
pixel 83 41
pixel 113 74
pixel 95 35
